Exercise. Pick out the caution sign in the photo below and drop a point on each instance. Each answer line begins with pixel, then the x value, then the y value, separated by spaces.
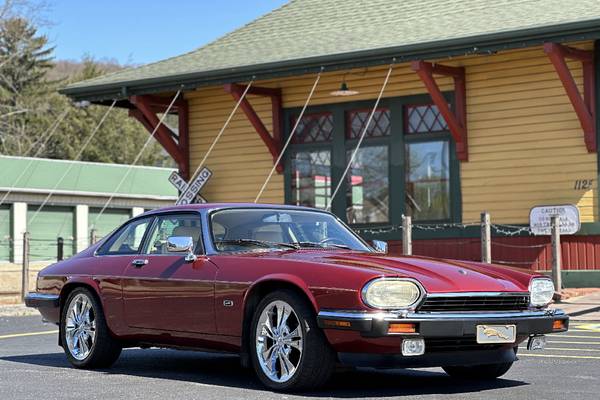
pixel 540 224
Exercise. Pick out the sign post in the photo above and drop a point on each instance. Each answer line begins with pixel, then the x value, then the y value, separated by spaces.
pixel 556 255
pixel 555 221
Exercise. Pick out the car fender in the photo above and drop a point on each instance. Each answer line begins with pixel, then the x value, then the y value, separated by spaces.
pixel 287 278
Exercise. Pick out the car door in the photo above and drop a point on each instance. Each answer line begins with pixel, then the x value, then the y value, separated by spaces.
pixel 164 292
pixel 110 261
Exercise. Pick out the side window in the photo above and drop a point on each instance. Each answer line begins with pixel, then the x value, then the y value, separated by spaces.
pixel 127 240
pixel 173 225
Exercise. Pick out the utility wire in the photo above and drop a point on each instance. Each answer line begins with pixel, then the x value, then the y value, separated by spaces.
pixel 289 139
pixel 214 142
pixel 362 137
pixel 79 154
pixel 137 158
pixel 45 137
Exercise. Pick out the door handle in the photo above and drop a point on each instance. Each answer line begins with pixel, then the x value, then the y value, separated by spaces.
pixel 139 263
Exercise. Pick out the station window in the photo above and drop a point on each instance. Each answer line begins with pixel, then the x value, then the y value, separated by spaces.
pixel 404 166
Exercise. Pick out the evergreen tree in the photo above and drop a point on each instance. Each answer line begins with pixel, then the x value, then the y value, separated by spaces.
pixel 30 105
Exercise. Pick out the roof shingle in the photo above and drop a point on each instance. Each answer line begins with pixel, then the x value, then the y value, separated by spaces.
pixel 309 29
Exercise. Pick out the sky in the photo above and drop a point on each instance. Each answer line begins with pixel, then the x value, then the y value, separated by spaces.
pixel 139 32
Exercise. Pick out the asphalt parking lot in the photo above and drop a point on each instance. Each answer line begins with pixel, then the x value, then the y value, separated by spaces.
pixel 32 366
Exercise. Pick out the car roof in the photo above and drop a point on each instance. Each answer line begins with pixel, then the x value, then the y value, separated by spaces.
pixel 217 206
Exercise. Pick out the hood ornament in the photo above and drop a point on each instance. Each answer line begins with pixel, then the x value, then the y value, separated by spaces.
pixel 462 271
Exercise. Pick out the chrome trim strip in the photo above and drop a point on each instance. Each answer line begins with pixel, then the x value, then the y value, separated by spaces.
pixel 359 315
pixel 477 294
pixel 42 296
pixel 356 315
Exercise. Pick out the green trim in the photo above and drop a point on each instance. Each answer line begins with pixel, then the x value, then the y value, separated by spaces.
pixel 578 278
pixel 481 44
pixel 396 147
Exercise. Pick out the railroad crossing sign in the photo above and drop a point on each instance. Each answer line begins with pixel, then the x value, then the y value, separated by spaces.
pixel 190 192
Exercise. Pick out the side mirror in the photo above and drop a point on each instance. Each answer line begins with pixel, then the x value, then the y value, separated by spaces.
pixel 380 246
pixel 182 244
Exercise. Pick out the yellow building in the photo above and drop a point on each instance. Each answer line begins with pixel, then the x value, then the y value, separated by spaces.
pixel 488 107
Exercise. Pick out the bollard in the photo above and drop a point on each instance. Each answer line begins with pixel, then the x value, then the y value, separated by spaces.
pixel 486 238
pixel 556 253
pixel 60 247
pixel 25 269
pixel 406 235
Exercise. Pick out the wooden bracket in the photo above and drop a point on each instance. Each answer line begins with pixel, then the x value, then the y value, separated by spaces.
pixel 145 110
pixel 457 120
pixel 273 142
pixel 584 105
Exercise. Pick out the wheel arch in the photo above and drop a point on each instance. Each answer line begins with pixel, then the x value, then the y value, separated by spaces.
pixel 67 289
pixel 258 291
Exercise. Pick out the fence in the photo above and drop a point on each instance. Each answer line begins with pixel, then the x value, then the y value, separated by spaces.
pixel 485 241
pixel 483 245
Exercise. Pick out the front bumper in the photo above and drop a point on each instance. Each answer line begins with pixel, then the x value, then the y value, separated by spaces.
pixel 362 338
pixel 47 304
pixel 441 324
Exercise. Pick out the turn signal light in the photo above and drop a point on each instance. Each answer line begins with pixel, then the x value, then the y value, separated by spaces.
pixel 337 324
pixel 402 328
pixel 558 325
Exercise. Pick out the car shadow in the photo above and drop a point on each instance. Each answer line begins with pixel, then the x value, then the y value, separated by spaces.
pixel 225 370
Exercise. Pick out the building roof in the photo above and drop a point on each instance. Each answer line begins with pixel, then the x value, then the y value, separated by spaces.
pixel 84 178
pixel 305 34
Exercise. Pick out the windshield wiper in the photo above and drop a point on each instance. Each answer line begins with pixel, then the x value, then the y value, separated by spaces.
pixel 263 243
pixel 322 246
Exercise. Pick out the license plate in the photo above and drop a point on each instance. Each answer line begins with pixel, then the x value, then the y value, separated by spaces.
pixel 496 334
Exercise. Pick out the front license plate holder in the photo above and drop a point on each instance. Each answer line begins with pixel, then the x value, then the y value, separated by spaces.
pixel 487 334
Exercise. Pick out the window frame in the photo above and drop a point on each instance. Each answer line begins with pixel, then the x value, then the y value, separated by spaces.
pixel 198 246
pixel 340 143
pixel 109 238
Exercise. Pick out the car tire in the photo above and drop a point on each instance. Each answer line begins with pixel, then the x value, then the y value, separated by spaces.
pixel 85 337
pixel 310 358
pixel 479 372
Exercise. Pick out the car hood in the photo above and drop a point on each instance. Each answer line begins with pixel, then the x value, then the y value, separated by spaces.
pixel 436 275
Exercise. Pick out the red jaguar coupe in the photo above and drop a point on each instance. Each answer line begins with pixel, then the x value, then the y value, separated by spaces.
pixel 292 290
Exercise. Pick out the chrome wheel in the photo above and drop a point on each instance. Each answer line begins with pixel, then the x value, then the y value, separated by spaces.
pixel 279 341
pixel 80 327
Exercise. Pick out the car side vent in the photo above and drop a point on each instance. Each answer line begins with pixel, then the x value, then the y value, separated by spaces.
pixel 504 302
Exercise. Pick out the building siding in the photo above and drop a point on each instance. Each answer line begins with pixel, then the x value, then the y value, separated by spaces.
pixel 526 145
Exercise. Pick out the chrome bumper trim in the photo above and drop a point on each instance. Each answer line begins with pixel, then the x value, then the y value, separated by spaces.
pixel 36 300
pixel 417 316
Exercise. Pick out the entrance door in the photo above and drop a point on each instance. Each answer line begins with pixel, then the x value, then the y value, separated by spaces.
pixel 162 291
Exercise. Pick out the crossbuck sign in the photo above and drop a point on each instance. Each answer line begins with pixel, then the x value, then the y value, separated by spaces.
pixel 190 191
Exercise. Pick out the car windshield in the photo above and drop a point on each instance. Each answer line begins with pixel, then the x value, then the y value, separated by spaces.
pixel 256 229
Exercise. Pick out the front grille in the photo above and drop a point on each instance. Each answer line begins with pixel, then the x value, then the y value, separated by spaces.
pixel 484 302
pixel 440 345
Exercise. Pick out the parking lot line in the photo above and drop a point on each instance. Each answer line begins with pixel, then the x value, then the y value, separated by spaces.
pixel 558 356
pixel 558 335
pixel 569 349
pixel 16 335
pixel 569 342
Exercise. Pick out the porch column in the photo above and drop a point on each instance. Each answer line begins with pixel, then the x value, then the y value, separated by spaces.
pixel 18 216
pixel 81 227
pixel 135 211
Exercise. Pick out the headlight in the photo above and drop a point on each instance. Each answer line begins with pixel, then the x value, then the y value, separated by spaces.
pixel 541 291
pixel 391 293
